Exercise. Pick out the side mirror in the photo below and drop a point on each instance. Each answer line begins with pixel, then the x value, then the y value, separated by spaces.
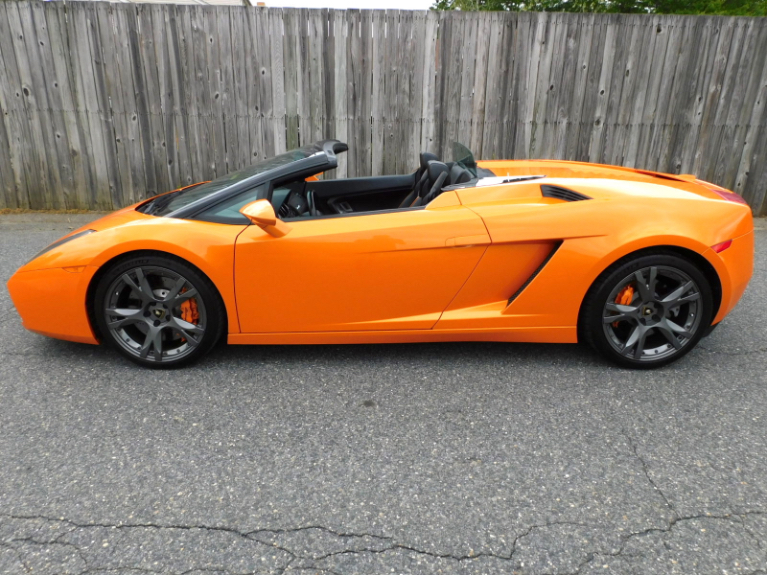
pixel 261 213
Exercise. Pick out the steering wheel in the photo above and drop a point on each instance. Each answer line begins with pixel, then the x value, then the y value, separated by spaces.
pixel 293 206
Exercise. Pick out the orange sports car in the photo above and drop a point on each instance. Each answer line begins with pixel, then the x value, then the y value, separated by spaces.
pixel 640 265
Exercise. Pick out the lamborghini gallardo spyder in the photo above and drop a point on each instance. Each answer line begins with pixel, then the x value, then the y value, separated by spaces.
pixel 638 264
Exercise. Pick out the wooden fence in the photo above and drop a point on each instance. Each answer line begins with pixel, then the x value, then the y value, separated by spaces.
pixel 104 104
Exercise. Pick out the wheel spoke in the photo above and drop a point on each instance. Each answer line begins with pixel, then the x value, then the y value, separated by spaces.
pixel 673 298
pixel 621 313
pixel 181 324
pixel 182 297
pixel 144 351
pixel 676 328
pixel 179 285
pixel 157 344
pixel 644 292
pixel 669 335
pixel 633 338
pixel 144 283
pixel 128 316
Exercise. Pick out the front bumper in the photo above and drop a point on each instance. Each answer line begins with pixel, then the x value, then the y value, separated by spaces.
pixel 52 302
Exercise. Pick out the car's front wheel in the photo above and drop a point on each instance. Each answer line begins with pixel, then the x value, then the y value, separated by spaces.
pixel 158 311
pixel 647 311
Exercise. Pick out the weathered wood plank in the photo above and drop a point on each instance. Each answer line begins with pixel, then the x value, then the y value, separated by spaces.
pixel 103 104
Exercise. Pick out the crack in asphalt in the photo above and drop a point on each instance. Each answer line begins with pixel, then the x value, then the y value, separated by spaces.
pixel 646 470
pixel 391 544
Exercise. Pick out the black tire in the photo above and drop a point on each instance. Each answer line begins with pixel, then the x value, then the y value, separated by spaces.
pixel 143 303
pixel 667 320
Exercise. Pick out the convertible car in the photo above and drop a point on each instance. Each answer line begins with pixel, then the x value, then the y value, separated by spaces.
pixel 640 265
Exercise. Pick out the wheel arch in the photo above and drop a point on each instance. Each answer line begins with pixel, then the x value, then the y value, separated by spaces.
pixel 90 293
pixel 692 256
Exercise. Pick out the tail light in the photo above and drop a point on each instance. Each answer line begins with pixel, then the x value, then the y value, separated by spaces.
pixel 722 193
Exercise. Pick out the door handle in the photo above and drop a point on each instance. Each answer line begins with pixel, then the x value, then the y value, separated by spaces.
pixel 480 240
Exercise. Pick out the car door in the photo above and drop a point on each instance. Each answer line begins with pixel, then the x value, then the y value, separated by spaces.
pixel 390 270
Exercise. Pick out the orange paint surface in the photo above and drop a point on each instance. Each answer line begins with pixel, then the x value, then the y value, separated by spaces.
pixel 443 273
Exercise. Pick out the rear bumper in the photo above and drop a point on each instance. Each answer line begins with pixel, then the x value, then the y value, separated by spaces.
pixel 52 302
pixel 735 266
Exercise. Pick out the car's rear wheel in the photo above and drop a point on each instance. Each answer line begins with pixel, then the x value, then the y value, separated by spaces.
pixel 647 311
pixel 158 311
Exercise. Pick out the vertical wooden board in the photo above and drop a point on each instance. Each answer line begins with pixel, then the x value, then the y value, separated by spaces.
pixel 62 56
pixel 713 93
pixel 46 79
pixel 215 44
pixel 359 81
pixel 452 51
pixel 185 81
pixel 416 45
pixel 34 142
pixel 466 78
pixel 149 157
pixel 535 112
pixel 10 162
pixel 480 84
pixel 203 87
pixel 686 115
pixel 612 137
pixel 641 67
pixel 338 32
pixel 305 88
pixel 391 83
pixel 58 190
pixel 408 94
pixel 562 78
pixel 756 184
pixel 378 96
pixel 430 74
pixel 580 80
pixel 169 32
pixel 316 26
pixel 115 49
pixel 292 73
pixel 239 153
pixel 751 109
pixel 277 62
pixel 260 65
pixel 494 94
pixel 227 94
pixel 97 153
pixel 15 125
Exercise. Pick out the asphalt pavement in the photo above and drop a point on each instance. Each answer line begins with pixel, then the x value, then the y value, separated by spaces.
pixel 433 458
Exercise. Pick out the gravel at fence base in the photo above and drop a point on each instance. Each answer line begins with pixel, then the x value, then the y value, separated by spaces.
pixel 451 458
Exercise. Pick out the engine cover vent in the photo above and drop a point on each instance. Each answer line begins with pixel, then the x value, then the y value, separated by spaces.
pixel 562 193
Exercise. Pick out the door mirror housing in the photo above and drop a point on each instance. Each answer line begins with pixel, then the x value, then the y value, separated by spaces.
pixel 261 213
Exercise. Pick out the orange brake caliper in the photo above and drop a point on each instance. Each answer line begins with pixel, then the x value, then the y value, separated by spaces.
pixel 625 297
pixel 189 311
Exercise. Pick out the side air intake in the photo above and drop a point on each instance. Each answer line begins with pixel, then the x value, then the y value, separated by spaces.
pixel 562 194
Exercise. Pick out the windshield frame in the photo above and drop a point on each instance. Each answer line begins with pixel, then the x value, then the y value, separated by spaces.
pixel 323 159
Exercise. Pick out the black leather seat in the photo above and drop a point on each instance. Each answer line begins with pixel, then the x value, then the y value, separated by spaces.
pixel 421 179
pixel 438 173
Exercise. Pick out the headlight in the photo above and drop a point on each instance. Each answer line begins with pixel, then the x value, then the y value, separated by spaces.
pixel 62 241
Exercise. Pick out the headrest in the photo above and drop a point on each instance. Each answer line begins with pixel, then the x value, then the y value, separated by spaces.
pixel 435 169
pixel 459 175
pixel 427 157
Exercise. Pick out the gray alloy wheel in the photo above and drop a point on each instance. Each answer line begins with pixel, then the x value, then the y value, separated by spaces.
pixel 647 310
pixel 158 312
pixel 661 317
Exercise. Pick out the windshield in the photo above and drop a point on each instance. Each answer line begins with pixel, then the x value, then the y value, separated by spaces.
pixel 168 203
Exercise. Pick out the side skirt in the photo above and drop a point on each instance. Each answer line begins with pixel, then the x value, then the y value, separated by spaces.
pixel 521 334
